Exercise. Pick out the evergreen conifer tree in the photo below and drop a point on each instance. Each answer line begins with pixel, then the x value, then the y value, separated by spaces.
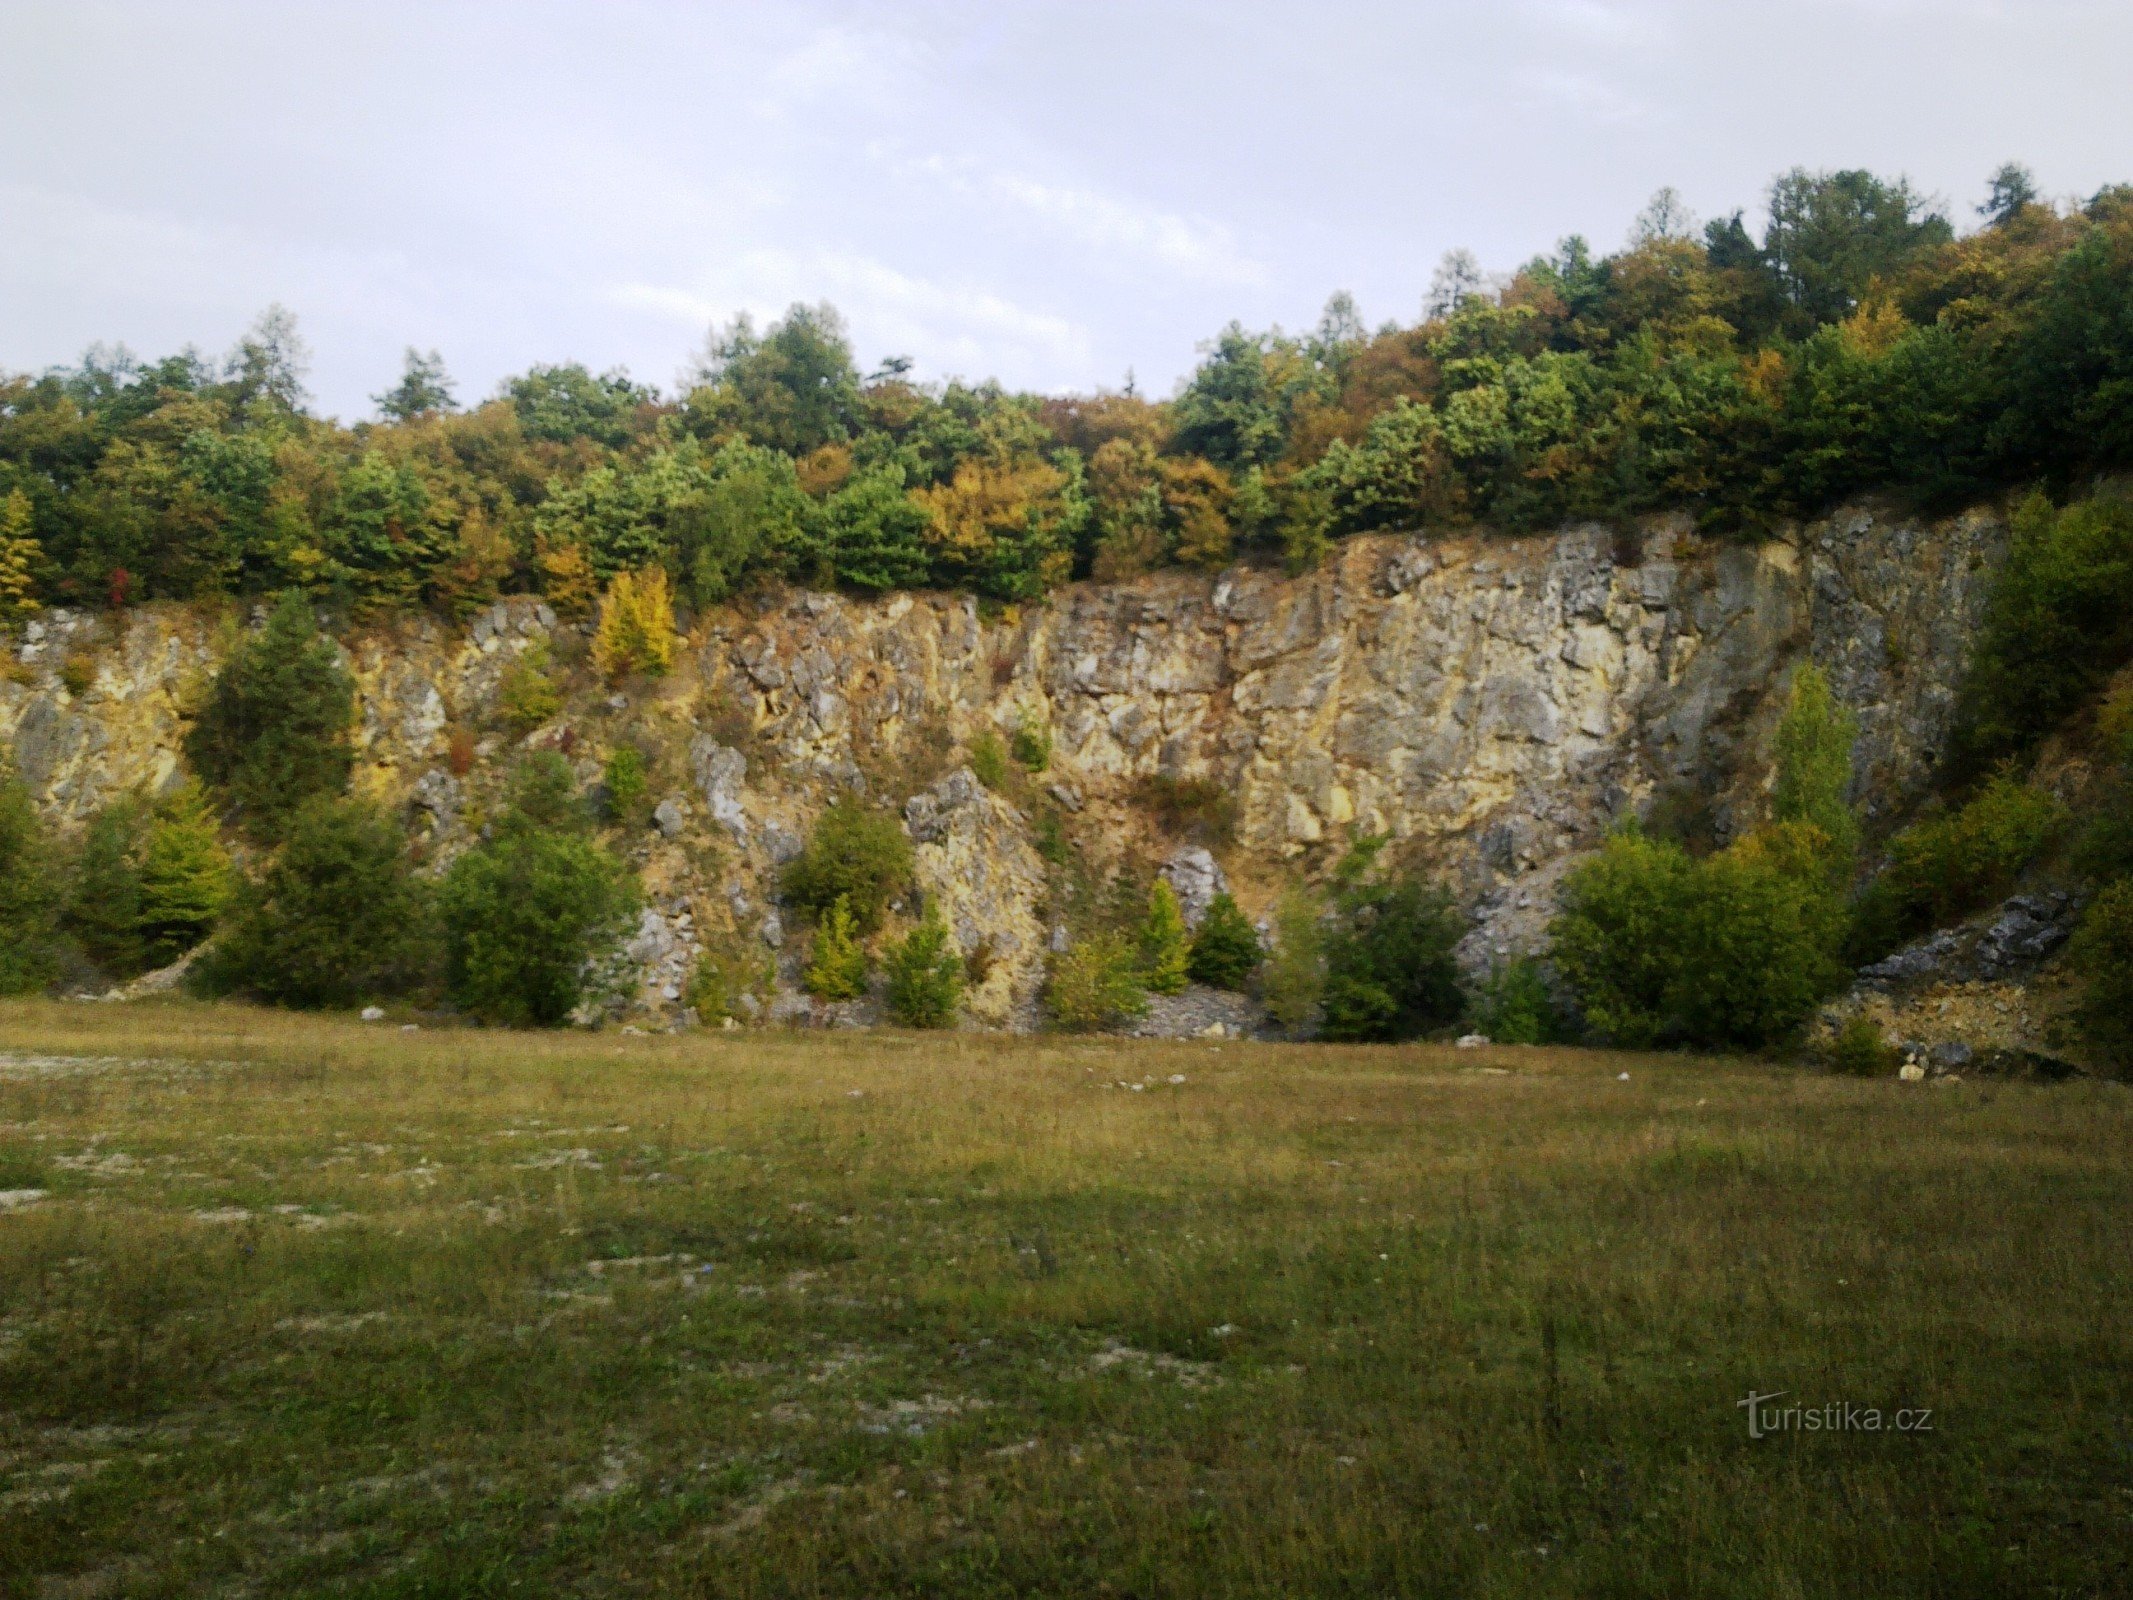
pixel 925 975
pixel 185 876
pixel 1165 956
pixel 1226 948
pixel 275 729
pixel 104 909
pixel 337 918
pixel 838 970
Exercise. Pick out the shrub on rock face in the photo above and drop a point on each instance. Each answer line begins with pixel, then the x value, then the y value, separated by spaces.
pixel 856 854
pixel 729 981
pixel 524 911
pixel 1164 950
pixel 1226 949
pixel 988 760
pixel 275 729
pixel 925 973
pixel 30 895
pixel 528 696
pixel 1032 743
pixel 1951 865
pixel 335 919
pixel 623 776
pixel 2102 953
pixel 1094 984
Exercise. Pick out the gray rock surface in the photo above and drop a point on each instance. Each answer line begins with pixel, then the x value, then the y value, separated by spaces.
pixel 1494 704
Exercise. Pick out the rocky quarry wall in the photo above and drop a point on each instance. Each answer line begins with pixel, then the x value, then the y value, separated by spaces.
pixel 1495 704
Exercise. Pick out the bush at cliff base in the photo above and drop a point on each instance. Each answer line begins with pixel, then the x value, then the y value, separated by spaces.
pixel 29 890
pixel 1094 984
pixel 1294 979
pixel 838 965
pixel 1952 864
pixel 1226 949
pixel 1164 952
pixel 1512 1005
pixel 337 917
pixel 527 909
pixel 1389 967
pixel 1861 1050
pixel 1734 951
pixel 150 882
pixel 925 973
pixel 2102 954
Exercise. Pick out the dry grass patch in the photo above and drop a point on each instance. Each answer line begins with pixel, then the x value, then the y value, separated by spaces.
pixel 309 1307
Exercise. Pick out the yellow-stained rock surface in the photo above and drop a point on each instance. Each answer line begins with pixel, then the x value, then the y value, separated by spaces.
pixel 1494 704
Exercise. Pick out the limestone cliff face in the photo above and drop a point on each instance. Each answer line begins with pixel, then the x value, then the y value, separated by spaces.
pixel 1496 703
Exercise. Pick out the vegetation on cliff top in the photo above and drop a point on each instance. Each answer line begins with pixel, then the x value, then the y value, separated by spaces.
pixel 1859 344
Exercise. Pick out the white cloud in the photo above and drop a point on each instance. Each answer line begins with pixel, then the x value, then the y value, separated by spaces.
pixel 1192 248
pixel 1590 96
pixel 1594 22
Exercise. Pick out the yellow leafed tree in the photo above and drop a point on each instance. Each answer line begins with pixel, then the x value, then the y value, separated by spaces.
pixel 20 557
pixel 567 578
pixel 990 513
pixel 636 626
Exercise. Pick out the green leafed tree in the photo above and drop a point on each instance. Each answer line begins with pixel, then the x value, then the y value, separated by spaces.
pixel 275 729
pixel 1389 967
pixel 1814 767
pixel 792 388
pixel 526 910
pixel 1617 938
pixel 856 854
pixel 336 918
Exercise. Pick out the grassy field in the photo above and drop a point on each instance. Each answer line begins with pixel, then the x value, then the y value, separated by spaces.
pixel 309 1307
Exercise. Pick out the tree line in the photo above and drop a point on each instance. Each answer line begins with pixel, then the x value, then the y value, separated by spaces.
pixel 1858 344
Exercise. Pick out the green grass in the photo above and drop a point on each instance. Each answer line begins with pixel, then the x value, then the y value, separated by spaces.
pixel 312 1308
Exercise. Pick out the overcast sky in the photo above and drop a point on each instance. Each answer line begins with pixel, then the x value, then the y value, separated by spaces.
pixel 1049 193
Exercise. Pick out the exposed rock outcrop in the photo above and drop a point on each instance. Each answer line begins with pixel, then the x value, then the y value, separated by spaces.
pixel 1494 704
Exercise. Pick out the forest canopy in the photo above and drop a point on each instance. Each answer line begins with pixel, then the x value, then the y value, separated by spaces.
pixel 1860 343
